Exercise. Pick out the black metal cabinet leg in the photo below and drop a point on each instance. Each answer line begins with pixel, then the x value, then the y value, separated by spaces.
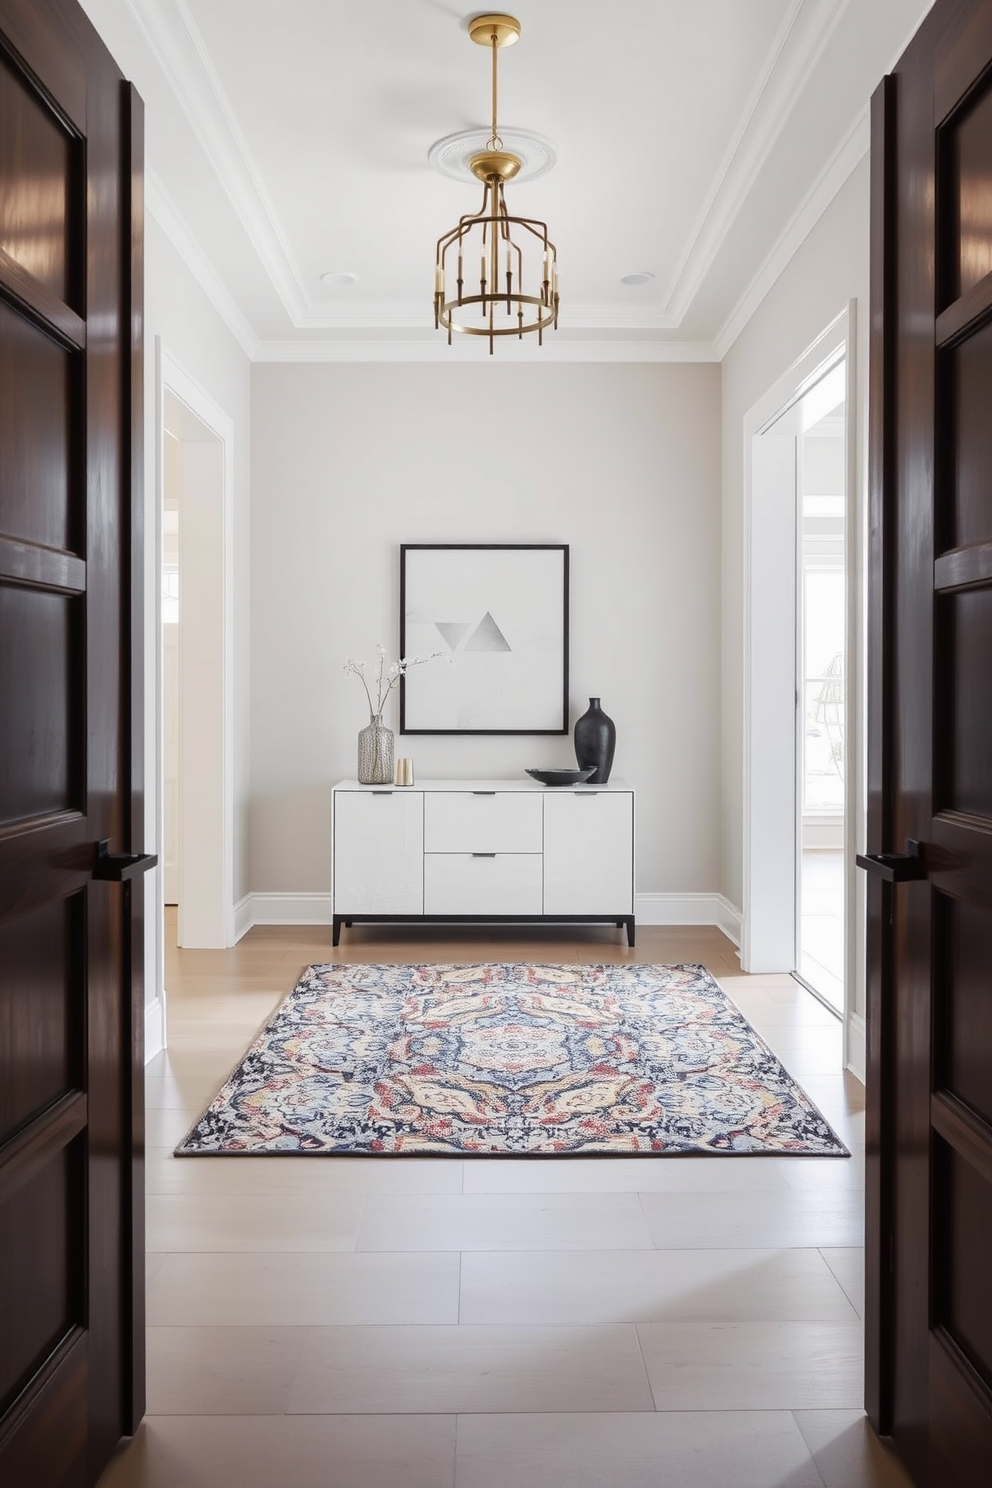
pixel 630 931
pixel 336 930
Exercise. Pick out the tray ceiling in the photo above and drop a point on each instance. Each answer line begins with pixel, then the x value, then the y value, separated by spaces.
pixel 287 139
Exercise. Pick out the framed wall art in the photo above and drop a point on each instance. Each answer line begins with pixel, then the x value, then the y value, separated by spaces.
pixel 499 615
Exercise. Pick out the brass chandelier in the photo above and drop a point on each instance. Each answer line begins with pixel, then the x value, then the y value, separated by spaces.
pixel 508 252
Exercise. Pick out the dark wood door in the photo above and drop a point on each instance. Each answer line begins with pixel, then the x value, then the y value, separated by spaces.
pixel 930 754
pixel 71 1361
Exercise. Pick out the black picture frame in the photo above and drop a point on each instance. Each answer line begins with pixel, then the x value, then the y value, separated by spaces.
pixel 461 638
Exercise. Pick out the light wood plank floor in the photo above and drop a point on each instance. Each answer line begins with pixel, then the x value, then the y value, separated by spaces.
pixel 391 1323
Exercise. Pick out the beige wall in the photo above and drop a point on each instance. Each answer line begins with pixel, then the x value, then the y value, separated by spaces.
pixel 829 270
pixel 620 462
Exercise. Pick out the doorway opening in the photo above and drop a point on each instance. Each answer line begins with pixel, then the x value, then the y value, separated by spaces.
pixel 171 812
pixel 196 781
pixel 803 671
pixel 821 687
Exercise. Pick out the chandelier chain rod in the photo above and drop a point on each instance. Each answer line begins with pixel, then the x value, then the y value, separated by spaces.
pixel 495 143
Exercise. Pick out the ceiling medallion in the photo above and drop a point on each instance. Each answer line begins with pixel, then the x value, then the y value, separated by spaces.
pixel 451 156
pixel 510 251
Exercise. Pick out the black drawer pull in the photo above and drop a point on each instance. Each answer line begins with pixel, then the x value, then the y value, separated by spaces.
pixel 907 867
pixel 381 793
pixel 483 793
pixel 483 855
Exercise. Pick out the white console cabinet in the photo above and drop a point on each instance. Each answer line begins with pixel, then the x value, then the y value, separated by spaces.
pixel 486 850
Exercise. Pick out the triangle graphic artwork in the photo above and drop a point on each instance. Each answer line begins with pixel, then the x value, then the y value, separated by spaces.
pixel 487 636
pixel 452 631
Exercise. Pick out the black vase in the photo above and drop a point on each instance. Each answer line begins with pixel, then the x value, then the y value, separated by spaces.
pixel 595 742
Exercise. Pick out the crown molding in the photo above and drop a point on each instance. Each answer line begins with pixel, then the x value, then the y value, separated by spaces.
pixel 839 168
pixel 553 350
pixel 809 25
pixel 160 205
pixel 170 31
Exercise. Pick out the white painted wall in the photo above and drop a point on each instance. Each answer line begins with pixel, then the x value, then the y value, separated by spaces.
pixel 830 269
pixel 179 313
pixel 621 462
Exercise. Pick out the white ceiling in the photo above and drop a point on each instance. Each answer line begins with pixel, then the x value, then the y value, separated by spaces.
pixel 696 139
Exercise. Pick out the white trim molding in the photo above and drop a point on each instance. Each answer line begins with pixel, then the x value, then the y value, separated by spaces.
pixel 243 917
pixel 289 909
pixel 689 909
pixel 165 212
pixel 154 1028
pixel 837 171
pixel 180 51
pixel 798 47
pixel 856 1046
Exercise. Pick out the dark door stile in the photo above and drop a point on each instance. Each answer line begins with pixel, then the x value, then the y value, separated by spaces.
pixel 71 944
pixel 929 1120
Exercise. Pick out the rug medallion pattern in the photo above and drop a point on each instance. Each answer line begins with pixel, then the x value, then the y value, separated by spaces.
pixel 512 1059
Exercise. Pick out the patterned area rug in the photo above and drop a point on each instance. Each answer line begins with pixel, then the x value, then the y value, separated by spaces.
pixel 511 1059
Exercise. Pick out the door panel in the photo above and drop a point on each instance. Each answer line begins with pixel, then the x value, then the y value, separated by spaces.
pixel 39 733
pixel 970 183
pixel 35 165
pixel 930 767
pixel 41 954
pixel 962 1006
pixel 70 979
pixel 35 389
pixel 40 1287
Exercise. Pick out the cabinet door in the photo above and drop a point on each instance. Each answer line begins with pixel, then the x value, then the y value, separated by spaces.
pixel 589 853
pixel 378 854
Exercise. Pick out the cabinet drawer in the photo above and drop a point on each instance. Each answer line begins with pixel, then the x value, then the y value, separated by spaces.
pixel 378 852
pixel 588 853
pixel 465 822
pixel 505 884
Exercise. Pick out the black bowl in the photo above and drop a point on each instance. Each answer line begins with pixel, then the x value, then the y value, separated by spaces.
pixel 563 777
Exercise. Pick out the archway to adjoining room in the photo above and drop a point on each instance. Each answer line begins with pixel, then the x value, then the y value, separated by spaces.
pixel 195 690
pixel 803 787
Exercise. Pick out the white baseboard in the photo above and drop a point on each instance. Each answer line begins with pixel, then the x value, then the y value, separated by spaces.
pixel 823 833
pixel 154 1028
pixel 289 909
pixel 857 1046
pixel 730 919
pixel 689 909
pixel 649 909
pixel 243 917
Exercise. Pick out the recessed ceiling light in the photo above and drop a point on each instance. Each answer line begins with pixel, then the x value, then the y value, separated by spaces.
pixel 632 279
pixel 339 278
